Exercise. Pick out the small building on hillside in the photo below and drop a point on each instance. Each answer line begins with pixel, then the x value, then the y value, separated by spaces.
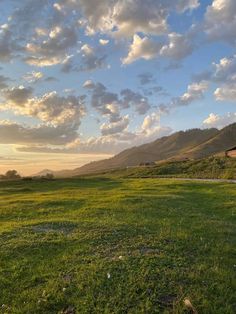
pixel 231 152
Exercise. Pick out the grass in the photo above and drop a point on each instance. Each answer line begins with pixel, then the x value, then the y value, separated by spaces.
pixel 109 245
pixel 207 168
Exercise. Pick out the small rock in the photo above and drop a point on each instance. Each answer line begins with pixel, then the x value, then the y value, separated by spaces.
pixel 69 310
pixel 189 306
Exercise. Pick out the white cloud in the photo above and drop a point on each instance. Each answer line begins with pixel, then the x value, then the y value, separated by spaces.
pixel 115 127
pixel 117 137
pixel 225 70
pixel 195 91
pixel 179 46
pixel 219 121
pixel 226 92
pixel 90 60
pixel 52 50
pixel 104 42
pixel 223 74
pixel 184 5
pixel 131 99
pixel 142 48
pixel 220 21
pixel 50 108
pixel 43 61
pixel 18 95
pixel 32 77
pixel 14 133
pixel 126 18
pixel 89 84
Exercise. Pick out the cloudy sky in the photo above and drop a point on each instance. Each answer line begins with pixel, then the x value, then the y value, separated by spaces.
pixel 81 80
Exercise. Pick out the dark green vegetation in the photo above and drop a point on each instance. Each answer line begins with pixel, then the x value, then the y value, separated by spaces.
pixel 100 245
pixel 192 144
pixel 207 168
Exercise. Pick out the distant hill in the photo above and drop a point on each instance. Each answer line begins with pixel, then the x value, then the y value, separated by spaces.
pixel 193 144
pixel 44 172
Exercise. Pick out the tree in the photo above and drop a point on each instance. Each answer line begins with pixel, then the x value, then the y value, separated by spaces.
pixel 12 175
pixel 49 176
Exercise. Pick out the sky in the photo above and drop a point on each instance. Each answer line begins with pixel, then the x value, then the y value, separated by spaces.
pixel 82 80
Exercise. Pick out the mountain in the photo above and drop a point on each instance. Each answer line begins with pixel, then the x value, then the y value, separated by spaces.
pixel 193 144
pixel 223 140
pixel 44 172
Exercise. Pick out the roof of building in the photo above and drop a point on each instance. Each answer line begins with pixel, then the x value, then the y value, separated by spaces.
pixel 233 148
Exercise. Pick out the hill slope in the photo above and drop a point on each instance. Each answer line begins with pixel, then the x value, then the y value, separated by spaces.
pixel 194 144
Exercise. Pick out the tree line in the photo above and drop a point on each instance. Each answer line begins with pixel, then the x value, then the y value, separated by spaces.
pixel 14 175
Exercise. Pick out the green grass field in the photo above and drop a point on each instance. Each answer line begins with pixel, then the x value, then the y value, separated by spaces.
pixel 100 245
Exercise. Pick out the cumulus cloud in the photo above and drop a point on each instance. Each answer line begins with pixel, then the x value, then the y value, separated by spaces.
pixel 115 127
pixel 18 95
pixel 225 70
pixel 125 18
pixel 14 133
pixel 45 36
pixel 104 42
pixel 53 49
pixel 110 104
pixel 116 137
pixel 184 5
pixel 149 131
pixel 142 48
pixel 224 73
pixel 43 61
pixel 226 92
pixel 151 128
pixel 32 77
pixel 50 108
pixel 136 100
pixel 220 21
pixel 194 92
pixel 89 84
pixel 219 121
pixel 101 98
pixel 179 46
pixel 90 60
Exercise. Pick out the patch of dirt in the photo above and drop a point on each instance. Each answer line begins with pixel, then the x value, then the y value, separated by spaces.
pixel 69 310
pixel 149 251
pixel 54 227
pixel 167 300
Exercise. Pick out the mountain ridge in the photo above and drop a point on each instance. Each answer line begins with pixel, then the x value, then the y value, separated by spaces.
pixel 189 144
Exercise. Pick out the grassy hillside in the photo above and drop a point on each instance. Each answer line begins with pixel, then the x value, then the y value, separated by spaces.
pixel 100 245
pixel 192 144
pixel 225 139
pixel 207 168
